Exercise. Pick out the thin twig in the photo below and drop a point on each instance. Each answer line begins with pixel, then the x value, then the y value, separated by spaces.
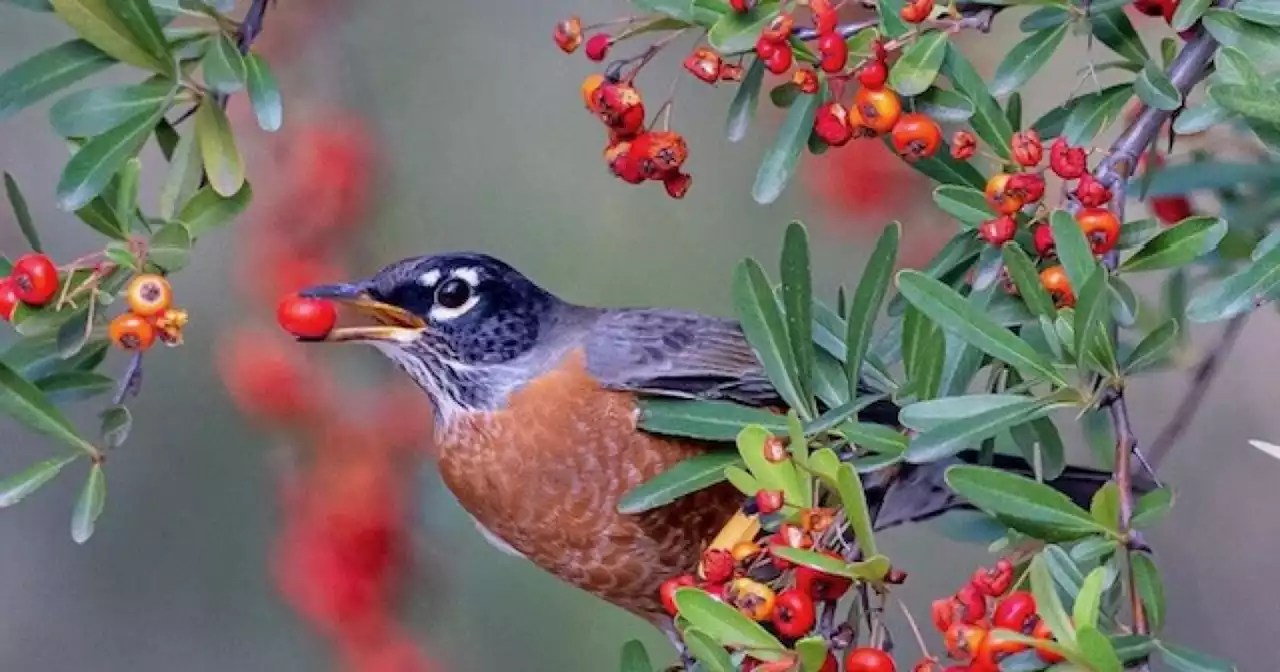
pixel 1201 378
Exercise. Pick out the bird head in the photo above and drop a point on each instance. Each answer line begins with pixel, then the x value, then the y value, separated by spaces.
pixel 466 327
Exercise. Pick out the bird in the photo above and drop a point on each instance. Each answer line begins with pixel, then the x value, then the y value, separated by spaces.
pixel 536 419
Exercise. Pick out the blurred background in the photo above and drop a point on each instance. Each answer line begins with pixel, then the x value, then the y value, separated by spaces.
pixel 459 126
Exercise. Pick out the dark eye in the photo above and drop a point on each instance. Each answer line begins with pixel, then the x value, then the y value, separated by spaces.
pixel 452 293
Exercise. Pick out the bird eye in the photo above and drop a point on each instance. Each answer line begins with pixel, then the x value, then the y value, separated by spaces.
pixel 453 293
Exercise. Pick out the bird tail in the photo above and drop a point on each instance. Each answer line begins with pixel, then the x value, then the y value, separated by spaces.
pixel 918 492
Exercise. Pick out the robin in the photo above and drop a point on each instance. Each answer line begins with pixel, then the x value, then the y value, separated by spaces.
pixel 536 419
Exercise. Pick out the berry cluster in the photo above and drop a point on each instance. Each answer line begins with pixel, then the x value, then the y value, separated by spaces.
pixel 967 619
pixel 150 316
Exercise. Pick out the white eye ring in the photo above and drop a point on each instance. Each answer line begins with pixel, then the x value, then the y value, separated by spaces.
pixel 429 278
pixel 445 313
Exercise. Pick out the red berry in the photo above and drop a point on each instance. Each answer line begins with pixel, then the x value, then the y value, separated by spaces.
pixel 1016 612
pixel 35 279
pixel 916 136
pixel 677 183
pixel 1055 281
pixel 1066 161
pixel 916 11
pixel 1027 148
pixel 1101 227
pixel 963 640
pixel 769 501
pixel 1027 186
pixel 1091 193
pixel 994 581
pixel 667 592
pixel 806 80
pixel 8 298
pixel 831 123
pixel 943 612
pixel 825 20
pixel 705 64
pixel 971 605
pixel 834 51
pixel 779 61
pixel 963 145
pixel 1000 197
pixel 717 565
pixel 568 34
pixel 1042 239
pixel 598 46
pixel 878 109
pixel 998 231
pixel 1043 632
pixel 741 6
pixel 1171 209
pixel 873 75
pixel 306 318
pixel 867 659
pixel 793 613
pixel 819 585
pixel 766 48
pixel 779 28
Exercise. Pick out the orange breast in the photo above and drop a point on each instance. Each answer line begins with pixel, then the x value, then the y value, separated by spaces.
pixel 546 473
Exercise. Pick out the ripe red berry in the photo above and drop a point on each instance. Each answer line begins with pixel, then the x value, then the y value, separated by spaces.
pixel 943 613
pixel 825 20
pixel 1000 197
pixel 1042 239
pixel 963 145
pixel 994 581
pixel 598 46
pixel 1171 209
pixel 704 64
pixel 1027 186
pixel 677 183
pixel 834 52
pixel 1091 193
pixel 131 332
pixel 568 34
pixel 715 590
pixel 306 318
pixel 775 450
pixel 1016 612
pixel 867 659
pixel 667 592
pixel 991 651
pixel 916 11
pixel 769 501
pixel 731 72
pixel 717 565
pixel 766 48
pixel 1101 227
pixel 622 109
pixel 793 613
pixel 819 585
pixel 1043 632
pixel 779 28
pixel 1056 283
pixel 916 136
pixel 1066 161
pixel 741 6
pixel 1026 148
pixel 779 61
pixel 971 605
pixel 879 109
pixel 831 123
pixel 999 230
pixel 873 75
pixel 806 80
pixel 8 298
pixel 963 640
pixel 35 279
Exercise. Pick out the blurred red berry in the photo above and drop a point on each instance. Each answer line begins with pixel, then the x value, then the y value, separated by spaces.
pixel 1042 239
pixel 779 61
pixel 916 11
pixel 568 34
pixel 598 46
pixel 873 75
pixel 963 145
pixel 8 299
pixel 1027 186
pixel 806 80
pixel 998 231
pixel 1171 209
pixel 1026 148
pixel 1090 192
pixel 1066 161
pixel 833 52
pixel 831 123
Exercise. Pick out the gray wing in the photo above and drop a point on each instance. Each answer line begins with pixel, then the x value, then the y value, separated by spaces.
pixel 676 353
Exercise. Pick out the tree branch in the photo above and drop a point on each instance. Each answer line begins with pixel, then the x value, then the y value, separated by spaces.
pixel 972 17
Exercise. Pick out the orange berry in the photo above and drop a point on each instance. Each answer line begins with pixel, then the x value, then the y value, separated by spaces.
pixel 879 109
pixel 963 640
pixel 916 11
pixel 590 86
pixel 754 599
pixel 131 332
pixel 1001 199
pixel 916 136
pixel 568 34
pixel 1101 227
pixel 148 294
pixel 1056 283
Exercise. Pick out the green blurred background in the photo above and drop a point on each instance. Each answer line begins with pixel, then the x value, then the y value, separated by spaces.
pixel 484 145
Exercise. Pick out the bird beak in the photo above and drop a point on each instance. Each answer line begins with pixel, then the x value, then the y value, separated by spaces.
pixel 394 324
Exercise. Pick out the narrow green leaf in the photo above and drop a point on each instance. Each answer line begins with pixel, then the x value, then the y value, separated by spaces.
pixel 813 653
pixel 69 386
pixel 225 70
pixel 207 210
pixel 222 161
pixel 962 360
pixel 726 625
pixel 1093 113
pixel 1089 600
pixel 1092 324
pixel 682 10
pixel 736 33
pixel 1188 14
pixel 779 162
pixel 923 350
pixel 918 66
pixel 1150 588
pixel 1152 507
pixel 1262 104
pixel 1182 659
pixel 93 496
pixel 101 24
pixel 1238 292
pixel 116 423
pixel 953 314
pixel 925 415
pixel 945 107
pixel 185 171
pixel 765 330
pixel 1025 277
pixel 854 500
pixel 1263 12
pixel 988 120
pixel 942 168
pixel 1200 118
pixel 1013 109
pixel 711 655
pixel 704 420
pixel 88 172
pixel 635 658
pixel 1105 507
pixel 1155 88
pixel 264 93
pixel 170 247
pixel 140 19
pixel 1154 347
pixel 889 12
pixel 74 333
pixel 1261 44
pixel 867 299
pixel 1175 246
pixel 25 403
pixel 1042 445
pixel 1096 649
pixel 16 488
pixel 743 108
pixel 1114 29
pixel 872 569
pixel 21 213
pixel 966 204
pixel 1023 504
pixel 1026 58
pixel 1073 249
pixel 1048 604
pixel 48 71
pixel 691 475
pixel 945 440
pixel 797 299
pixel 1132 648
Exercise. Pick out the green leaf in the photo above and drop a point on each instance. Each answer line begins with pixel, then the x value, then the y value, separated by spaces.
pixel 1131 648
pixel 707 651
pixel 854 500
pixel 966 204
pixel 139 17
pixel 771 475
pixel 264 93
pixel 1048 603
pixel 784 95
pixel 1154 347
pixel 1113 29
pixel 813 653
pixel 68 386
pixel 25 403
pixel 1026 58
pixel 88 172
pixel 1013 109
pixel 225 70
pixel 1188 14
pixel 779 162
pixel 1105 507
pixel 872 569
pixel 222 161
pixel 797 298
pixel 93 496
pixel 1093 113
pixel 116 423
pixel 635 658
pixel 1146 577
pixel 1175 246
pixel 1263 104
pixel 988 120
pixel 688 476
pixel 1263 12
pixel 1135 232
pixel 704 420
pixel 1261 44
pixel 1182 659
pixel 16 488
pixel 923 350
pixel 953 314
pixel 1200 118
pixel 742 480
pixel 736 33
pixel 947 439
pixel 1042 447
pixel 942 168
pixel 726 625
pixel 1093 342
pixel 765 330
pixel 103 24
pixel 74 333
pixel 170 247
pixel 944 106
pixel 1089 600
pixel 1073 249
pixel 743 108
pixel 962 361
pixel 1025 277
pixel 185 171
pixel 48 71
pixel 918 66
pixel 1096 649
pixel 676 9
pixel 867 299
pixel 32 5
pixel 1237 293
pixel 207 210
pixel 1033 508
pixel 1155 88
pixel 21 213
pixel 925 415
pixel 1152 507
